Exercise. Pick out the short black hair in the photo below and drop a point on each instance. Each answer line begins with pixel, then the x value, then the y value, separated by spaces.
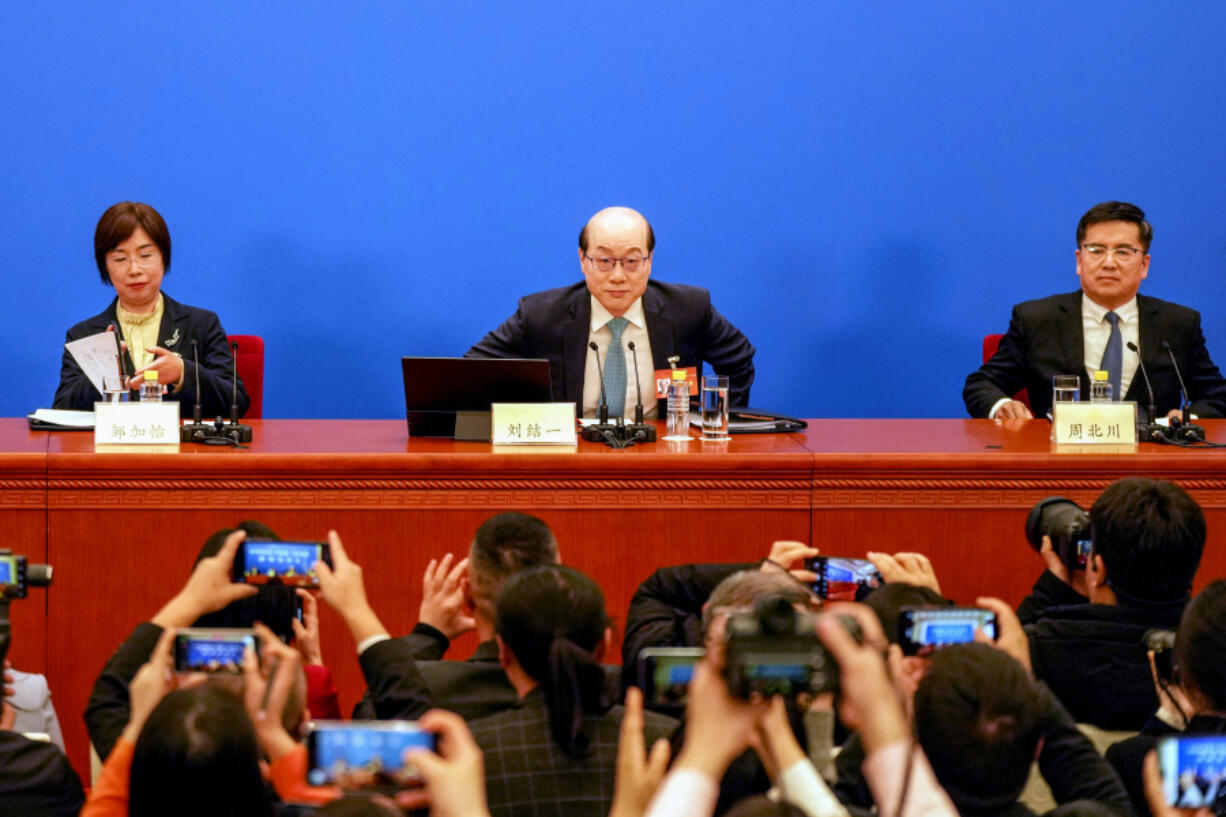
pixel 1151 536
pixel 1201 643
pixel 272 605
pixel 1116 211
pixel 889 600
pixel 507 543
pixel 979 717
pixel 117 225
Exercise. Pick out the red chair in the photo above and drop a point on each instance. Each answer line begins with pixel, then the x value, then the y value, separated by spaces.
pixel 249 359
pixel 990 343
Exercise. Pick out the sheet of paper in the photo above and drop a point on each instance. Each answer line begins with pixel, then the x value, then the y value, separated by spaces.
pixel 65 418
pixel 97 356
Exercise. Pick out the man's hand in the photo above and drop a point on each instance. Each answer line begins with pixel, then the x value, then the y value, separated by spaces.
pixel 455 775
pixel 1075 580
pixel 443 597
pixel 906 568
pixel 774 742
pixel 266 690
pixel 791 555
pixel 1013 410
pixel 167 364
pixel 151 684
pixel 1011 639
pixel 306 632
pixel 639 773
pixel 343 589
pixel 717 724
pixel 209 588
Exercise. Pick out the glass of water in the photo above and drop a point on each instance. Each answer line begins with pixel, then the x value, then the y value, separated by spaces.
pixel 1065 388
pixel 715 407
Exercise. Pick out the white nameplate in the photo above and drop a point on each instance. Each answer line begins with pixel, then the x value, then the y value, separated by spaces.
pixel 139 424
pixel 1095 423
pixel 532 424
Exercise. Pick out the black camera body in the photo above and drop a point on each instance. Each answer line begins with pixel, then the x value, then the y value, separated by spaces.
pixel 1068 525
pixel 774 650
pixel 16 576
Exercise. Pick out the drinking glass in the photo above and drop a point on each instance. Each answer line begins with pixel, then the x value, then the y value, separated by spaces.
pixel 715 407
pixel 1065 388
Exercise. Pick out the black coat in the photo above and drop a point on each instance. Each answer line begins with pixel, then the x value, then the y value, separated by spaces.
pixel 1128 756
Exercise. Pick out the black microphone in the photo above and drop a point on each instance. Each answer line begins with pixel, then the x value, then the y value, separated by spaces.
pixel 233 383
pixel 1187 431
pixel 1153 411
pixel 640 430
pixel 604 401
pixel 196 410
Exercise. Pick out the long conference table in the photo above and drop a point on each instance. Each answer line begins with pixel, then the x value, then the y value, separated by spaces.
pixel 122 530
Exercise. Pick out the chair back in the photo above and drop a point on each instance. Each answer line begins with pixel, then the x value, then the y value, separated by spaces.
pixel 249 359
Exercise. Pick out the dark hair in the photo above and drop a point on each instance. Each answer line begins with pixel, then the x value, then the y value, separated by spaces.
pixel 506 544
pixel 888 601
pixel 744 589
pixel 197 755
pixel 271 605
pixel 117 225
pixel 552 619
pixel 651 235
pixel 762 806
pixel 357 805
pixel 1151 535
pixel 1116 211
pixel 1201 643
pixel 979 717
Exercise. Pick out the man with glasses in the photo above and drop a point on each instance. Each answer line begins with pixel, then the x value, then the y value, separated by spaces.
pixel 627 315
pixel 1105 326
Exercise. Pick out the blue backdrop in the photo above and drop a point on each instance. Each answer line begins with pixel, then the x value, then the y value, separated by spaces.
pixel 865 187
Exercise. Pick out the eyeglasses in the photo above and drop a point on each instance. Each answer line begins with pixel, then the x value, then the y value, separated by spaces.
pixel 1098 253
pixel 632 264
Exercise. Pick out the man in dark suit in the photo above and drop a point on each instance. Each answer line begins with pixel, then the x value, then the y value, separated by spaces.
pixel 1081 332
pixel 617 301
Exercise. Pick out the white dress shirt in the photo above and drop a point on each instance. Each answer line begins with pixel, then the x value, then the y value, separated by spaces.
pixel 1095 331
pixel 636 330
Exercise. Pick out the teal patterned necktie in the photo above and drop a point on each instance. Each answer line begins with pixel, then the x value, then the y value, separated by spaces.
pixel 615 369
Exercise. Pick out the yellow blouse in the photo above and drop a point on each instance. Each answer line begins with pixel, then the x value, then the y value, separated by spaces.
pixel 141 332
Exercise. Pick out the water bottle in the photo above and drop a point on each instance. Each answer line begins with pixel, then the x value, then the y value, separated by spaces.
pixel 150 388
pixel 1100 388
pixel 678 407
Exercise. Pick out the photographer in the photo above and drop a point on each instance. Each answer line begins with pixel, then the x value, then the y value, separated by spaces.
pixel 1085 627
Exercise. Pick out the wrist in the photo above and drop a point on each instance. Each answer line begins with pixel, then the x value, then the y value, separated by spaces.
pixel 180 611
pixel 276 741
pixel 363 623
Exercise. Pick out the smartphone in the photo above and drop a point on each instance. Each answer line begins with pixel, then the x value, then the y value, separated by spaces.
pixel 840 579
pixel 1194 771
pixel 364 754
pixel 12 577
pixel 664 674
pixel 213 650
pixel 924 629
pixel 291 564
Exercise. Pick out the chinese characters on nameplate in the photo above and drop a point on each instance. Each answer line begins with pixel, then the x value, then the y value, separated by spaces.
pixel 1095 423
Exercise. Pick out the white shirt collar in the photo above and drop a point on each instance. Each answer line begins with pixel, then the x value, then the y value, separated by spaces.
pixel 1128 312
pixel 601 316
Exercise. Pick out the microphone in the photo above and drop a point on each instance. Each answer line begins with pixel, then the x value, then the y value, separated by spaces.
pixel 195 431
pixel 1153 411
pixel 604 401
pixel 641 430
pixel 196 410
pixel 1185 428
pixel 238 432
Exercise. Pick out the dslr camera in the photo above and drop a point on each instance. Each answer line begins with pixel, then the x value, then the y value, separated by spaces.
pixel 1068 525
pixel 16 577
pixel 774 650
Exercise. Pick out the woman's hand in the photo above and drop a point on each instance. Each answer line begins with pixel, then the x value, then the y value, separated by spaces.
pixel 167 364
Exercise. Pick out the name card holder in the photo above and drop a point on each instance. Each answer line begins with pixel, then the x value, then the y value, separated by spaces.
pixel 532 424
pixel 1095 423
pixel 136 427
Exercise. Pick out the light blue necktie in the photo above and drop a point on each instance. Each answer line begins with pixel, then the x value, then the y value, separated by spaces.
pixel 615 369
pixel 1113 358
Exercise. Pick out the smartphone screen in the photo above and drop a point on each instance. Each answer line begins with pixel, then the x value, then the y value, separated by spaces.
pixel 1194 771
pixel 364 754
pixel 291 564
pixel 924 629
pixel 1083 547
pixel 13 576
pixel 665 673
pixel 840 579
pixel 219 650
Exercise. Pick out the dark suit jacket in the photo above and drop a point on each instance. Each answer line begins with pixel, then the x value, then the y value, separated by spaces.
pixel 107 712
pixel 36 779
pixel 527 773
pixel 681 321
pixel 180 325
pixel 1045 339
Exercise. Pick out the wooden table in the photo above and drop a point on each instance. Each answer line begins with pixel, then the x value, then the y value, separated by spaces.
pixel 123 529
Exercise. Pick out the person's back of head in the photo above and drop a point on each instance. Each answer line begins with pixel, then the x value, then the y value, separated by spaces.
pixel 553 620
pixel 1200 648
pixel 889 600
pixel 197 754
pixel 979 717
pixel 504 545
pixel 271 605
pixel 743 590
pixel 1150 535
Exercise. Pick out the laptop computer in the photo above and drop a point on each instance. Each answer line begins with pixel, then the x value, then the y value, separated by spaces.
pixel 437 390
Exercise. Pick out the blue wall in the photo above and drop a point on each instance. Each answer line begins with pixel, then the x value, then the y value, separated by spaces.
pixel 866 187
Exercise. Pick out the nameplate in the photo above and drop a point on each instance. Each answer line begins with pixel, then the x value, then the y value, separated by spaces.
pixel 532 424
pixel 1095 423
pixel 665 376
pixel 136 424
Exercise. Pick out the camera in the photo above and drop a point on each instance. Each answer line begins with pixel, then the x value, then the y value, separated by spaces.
pixel 369 755
pixel 774 650
pixel 1068 525
pixel 288 564
pixel 16 577
pixel 1162 642
pixel 923 630
pixel 213 650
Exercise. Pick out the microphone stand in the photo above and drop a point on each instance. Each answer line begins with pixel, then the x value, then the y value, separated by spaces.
pixel 235 430
pixel 1149 431
pixel 614 434
pixel 196 431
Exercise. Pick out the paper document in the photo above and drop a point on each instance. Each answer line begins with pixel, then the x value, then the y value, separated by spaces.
pixel 98 357
pixel 63 418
